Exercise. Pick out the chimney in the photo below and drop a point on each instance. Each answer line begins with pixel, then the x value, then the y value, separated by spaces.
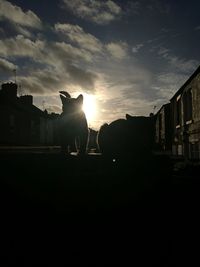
pixel 26 100
pixel 9 91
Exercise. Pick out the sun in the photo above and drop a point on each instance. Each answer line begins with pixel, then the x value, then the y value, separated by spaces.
pixel 89 107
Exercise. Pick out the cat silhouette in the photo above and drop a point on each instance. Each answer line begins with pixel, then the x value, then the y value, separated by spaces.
pixel 111 138
pixel 122 138
pixel 141 132
pixel 73 124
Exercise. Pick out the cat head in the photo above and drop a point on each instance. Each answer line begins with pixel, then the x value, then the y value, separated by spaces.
pixel 139 118
pixel 69 104
pixel 140 123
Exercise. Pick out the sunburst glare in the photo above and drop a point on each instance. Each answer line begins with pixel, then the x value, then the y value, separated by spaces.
pixel 89 107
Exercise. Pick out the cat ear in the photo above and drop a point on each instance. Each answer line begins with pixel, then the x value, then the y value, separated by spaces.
pixel 64 100
pixel 65 94
pixel 128 117
pixel 80 99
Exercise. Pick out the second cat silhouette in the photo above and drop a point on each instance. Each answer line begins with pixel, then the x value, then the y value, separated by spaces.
pixel 125 138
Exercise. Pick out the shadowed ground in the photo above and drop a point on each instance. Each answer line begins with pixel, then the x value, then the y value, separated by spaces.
pixel 92 210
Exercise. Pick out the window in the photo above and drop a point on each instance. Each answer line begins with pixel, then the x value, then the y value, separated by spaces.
pixel 194 150
pixel 178 111
pixel 160 127
pixel 187 105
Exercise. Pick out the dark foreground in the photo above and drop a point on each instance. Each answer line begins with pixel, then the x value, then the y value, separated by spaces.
pixel 90 210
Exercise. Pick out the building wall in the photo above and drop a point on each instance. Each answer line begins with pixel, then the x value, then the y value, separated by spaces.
pixel 21 123
pixel 7 121
pixel 163 128
pixel 194 126
pixel 160 128
pixel 186 129
pixel 17 127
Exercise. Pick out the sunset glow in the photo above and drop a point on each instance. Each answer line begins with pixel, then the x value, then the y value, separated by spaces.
pixel 88 47
pixel 89 107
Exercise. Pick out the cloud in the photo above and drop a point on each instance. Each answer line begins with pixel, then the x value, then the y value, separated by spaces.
pixel 157 6
pixel 123 106
pixel 178 64
pixel 168 83
pixel 82 77
pixel 171 78
pixel 13 29
pixel 58 63
pixel 90 43
pixel 64 53
pixel 54 53
pixel 42 81
pixel 186 66
pixel 2 31
pixel 77 35
pixel 53 108
pixel 100 12
pixel 6 66
pixel 117 50
pixel 21 46
pixel 50 81
pixel 163 52
pixel 133 8
pixel 176 71
pixel 23 31
pixel 197 28
pixel 16 15
pixel 126 88
pixel 136 48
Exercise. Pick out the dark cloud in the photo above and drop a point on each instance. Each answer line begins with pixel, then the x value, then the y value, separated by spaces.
pixel 84 79
pixel 60 62
pixel 50 81
pixel 6 66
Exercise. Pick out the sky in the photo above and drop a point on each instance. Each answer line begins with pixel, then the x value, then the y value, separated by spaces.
pixel 131 56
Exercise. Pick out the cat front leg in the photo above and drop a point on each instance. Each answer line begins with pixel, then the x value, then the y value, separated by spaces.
pixel 83 142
